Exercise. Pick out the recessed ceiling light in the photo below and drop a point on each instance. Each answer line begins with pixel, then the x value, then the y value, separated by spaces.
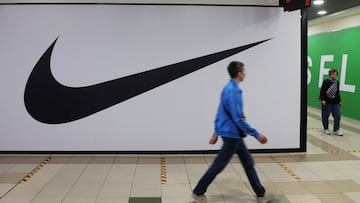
pixel 322 12
pixel 318 2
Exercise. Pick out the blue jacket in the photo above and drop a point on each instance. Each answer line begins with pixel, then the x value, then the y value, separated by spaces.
pixel 231 100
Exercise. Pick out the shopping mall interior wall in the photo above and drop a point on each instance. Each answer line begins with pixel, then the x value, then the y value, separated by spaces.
pixel 334 43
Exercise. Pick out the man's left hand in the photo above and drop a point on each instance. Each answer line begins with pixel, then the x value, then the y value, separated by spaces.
pixel 213 139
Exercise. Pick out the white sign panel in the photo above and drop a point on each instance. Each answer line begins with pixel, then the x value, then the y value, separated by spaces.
pixel 143 77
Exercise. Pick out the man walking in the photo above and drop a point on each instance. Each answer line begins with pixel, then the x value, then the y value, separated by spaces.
pixel 331 102
pixel 230 124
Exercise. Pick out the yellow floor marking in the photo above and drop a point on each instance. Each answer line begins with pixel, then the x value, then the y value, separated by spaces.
pixel 287 169
pixel 163 171
pixel 343 151
pixel 35 170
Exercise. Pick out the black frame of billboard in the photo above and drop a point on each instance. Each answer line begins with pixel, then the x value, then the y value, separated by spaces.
pixel 303 91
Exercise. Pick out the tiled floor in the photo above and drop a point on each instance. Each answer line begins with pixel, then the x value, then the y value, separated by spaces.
pixel 329 172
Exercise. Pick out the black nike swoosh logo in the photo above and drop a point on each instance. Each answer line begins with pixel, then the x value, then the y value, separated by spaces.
pixel 48 101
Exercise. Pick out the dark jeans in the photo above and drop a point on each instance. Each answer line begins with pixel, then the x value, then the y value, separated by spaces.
pixel 230 147
pixel 334 109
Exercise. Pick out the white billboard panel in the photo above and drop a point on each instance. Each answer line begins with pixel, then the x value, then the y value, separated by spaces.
pixel 131 77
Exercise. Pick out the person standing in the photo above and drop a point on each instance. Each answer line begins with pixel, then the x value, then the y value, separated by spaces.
pixel 331 102
pixel 230 123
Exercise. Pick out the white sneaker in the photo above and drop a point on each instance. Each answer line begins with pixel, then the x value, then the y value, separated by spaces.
pixel 267 198
pixel 338 133
pixel 199 198
pixel 327 132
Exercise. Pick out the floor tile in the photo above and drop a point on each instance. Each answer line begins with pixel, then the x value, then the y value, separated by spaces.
pixel 194 160
pixel 177 178
pixel 16 199
pixel 11 178
pixel 84 190
pixel 269 167
pixel 183 199
pixel 355 196
pixel 126 160
pixel 11 159
pixel 212 190
pixel 115 190
pixel 350 173
pixel 285 158
pixel 64 178
pixel 25 190
pixel 112 200
pixel 243 198
pixel 343 165
pixel 345 156
pixel 319 187
pixel 145 160
pixel 175 190
pixel 47 200
pixel 315 157
pixel 279 198
pixel 119 178
pixel 175 161
pixel 279 177
pixel 308 176
pixel 334 198
pixel 345 186
pixel 331 175
pixel 23 168
pixel 121 173
pixel 103 160
pixel 312 149
pixel 357 154
pixel 92 178
pixel 175 168
pixel 4 167
pixel 4 188
pixel 215 198
pixel 59 159
pixel 146 190
pixel 79 200
pixel 294 188
pixel 262 159
pixel 55 190
pixel 303 198
pixel 234 188
pixel 80 159
pixel 195 171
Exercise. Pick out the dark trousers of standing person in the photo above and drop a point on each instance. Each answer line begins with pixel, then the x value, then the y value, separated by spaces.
pixel 334 109
pixel 231 146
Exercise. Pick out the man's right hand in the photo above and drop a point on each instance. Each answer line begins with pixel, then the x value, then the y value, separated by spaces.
pixel 262 139
pixel 323 102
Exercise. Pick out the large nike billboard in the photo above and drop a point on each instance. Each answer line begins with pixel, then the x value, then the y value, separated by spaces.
pixel 132 78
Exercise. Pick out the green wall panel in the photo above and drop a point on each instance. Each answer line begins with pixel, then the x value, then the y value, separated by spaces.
pixel 340 50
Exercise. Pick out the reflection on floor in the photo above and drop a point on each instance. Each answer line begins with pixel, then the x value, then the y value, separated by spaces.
pixel 328 172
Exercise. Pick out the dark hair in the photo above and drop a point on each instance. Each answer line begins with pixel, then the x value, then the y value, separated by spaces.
pixel 333 70
pixel 234 67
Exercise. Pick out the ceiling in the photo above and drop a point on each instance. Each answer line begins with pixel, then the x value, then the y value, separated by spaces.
pixel 207 2
pixel 331 6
